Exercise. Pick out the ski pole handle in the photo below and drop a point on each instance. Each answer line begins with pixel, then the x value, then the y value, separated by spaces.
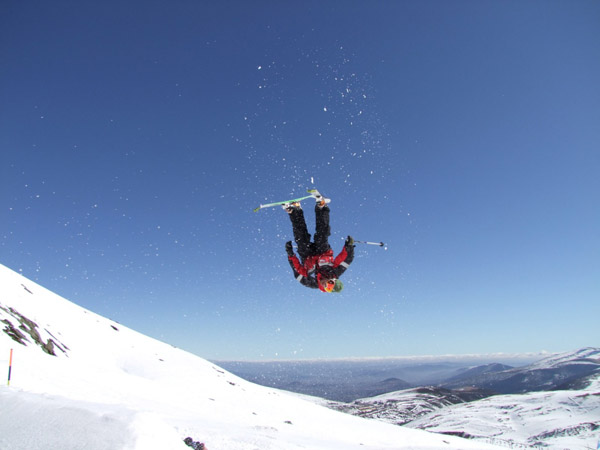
pixel 380 244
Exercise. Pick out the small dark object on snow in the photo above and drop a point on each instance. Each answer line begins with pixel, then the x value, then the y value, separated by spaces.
pixel 194 444
pixel 25 287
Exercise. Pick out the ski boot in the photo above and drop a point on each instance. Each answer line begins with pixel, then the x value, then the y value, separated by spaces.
pixel 321 201
pixel 290 207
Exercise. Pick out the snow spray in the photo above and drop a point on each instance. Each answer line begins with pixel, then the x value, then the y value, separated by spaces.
pixel 9 366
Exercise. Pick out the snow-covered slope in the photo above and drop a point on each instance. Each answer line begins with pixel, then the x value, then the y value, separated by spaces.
pixel 82 381
pixel 585 356
pixel 546 374
pixel 561 419
pixel 557 419
pixel 401 407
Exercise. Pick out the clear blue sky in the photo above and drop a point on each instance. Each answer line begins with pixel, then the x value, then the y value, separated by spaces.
pixel 136 137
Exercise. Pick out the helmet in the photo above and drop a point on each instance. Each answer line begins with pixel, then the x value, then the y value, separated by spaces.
pixel 338 286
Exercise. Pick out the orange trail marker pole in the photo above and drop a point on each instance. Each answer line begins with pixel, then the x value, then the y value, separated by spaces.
pixel 10 366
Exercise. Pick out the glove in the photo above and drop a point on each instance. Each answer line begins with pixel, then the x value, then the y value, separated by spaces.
pixel 349 241
pixel 289 249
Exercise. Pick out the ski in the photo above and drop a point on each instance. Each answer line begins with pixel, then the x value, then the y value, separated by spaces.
pixel 313 194
pixel 293 200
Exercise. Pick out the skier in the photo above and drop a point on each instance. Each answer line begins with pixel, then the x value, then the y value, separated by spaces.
pixel 318 269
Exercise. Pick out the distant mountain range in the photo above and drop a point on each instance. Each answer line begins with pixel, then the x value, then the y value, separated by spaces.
pixel 348 380
pixel 345 391
pixel 472 372
pixel 555 401
pixel 547 374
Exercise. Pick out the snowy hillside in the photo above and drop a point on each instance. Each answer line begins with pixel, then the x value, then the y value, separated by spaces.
pixel 547 374
pixel 558 419
pixel 401 407
pixel 561 419
pixel 589 356
pixel 82 381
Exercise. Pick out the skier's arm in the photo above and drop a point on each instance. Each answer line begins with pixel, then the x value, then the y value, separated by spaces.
pixel 300 272
pixel 345 258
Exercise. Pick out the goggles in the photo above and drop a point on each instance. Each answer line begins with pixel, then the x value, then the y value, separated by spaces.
pixel 329 286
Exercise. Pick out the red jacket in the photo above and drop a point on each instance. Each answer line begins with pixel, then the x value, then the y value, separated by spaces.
pixel 310 272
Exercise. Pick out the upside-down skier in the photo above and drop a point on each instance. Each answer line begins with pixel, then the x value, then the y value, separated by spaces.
pixel 317 267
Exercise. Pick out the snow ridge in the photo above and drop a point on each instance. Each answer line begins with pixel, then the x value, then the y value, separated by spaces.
pixel 566 416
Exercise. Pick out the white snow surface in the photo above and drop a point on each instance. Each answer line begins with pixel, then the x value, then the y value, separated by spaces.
pixel 559 359
pixel 109 387
pixel 554 419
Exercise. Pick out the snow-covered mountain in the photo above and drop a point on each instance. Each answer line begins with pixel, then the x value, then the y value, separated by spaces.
pixel 565 419
pixel 79 380
pixel 472 372
pixel 557 419
pixel 405 406
pixel 546 374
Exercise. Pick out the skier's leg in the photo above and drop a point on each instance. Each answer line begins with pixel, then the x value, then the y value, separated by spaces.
pixel 301 235
pixel 323 230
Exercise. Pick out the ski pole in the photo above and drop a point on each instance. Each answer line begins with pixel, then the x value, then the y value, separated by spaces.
pixel 381 244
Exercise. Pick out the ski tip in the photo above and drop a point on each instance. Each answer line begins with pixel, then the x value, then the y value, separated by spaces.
pixel 256 209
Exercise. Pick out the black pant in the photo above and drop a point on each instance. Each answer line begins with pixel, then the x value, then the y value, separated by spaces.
pixel 302 238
